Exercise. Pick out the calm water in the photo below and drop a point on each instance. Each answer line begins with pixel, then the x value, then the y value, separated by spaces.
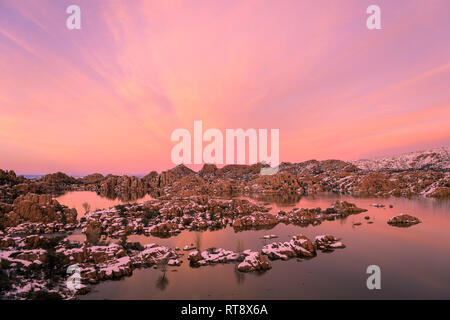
pixel 75 199
pixel 414 262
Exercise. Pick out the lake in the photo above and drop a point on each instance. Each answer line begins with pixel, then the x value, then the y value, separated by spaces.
pixel 75 199
pixel 414 261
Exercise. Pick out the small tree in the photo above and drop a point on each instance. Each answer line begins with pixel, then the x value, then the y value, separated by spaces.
pixel 86 207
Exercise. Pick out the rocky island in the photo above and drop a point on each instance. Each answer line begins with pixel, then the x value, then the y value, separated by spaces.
pixel 35 251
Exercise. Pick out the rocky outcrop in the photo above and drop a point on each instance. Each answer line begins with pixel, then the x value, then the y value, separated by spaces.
pixel 123 187
pixel 213 256
pixel 442 192
pixel 403 220
pixel 240 171
pixel 328 243
pixel 253 261
pixel 168 177
pixel 93 231
pixel 92 178
pixel 254 221
pixel 300 247
pixel 345 208
pixel 208 171
pixel 151 179
pixel 38 208
pixel 10 178
pixel 315 167
pixel 282 182
pixel 435 159
pixel 58 178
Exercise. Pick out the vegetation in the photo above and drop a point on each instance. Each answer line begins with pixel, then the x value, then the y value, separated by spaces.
pixel 86 207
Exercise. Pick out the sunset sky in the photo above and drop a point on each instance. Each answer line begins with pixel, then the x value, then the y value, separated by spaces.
pixel 106 98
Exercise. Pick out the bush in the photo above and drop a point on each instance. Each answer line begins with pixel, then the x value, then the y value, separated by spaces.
pixel 45 295
pixel 150 213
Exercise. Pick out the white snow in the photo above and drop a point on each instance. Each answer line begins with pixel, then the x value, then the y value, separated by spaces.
pixel 433 159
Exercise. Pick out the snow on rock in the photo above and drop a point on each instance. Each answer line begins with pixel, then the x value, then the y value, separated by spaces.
pixel 270 236
pixel 435 159
pixel 174 262
pixel 254 261
pixel 300 246
pixel 212 256
pixel 328 242
pixel 189 247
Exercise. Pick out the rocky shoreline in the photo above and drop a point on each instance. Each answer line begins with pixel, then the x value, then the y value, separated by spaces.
pixel 35 256
pixel 35 252
pixel 293 179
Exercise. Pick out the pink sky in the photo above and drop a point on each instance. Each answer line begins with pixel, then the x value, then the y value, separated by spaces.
pixel 106 98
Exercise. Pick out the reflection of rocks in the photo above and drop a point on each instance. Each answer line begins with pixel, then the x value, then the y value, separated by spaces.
pixel 403 220
pixel 277 198
pixel 162 282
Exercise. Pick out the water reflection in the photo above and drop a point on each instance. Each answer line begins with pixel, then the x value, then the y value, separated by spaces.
pixel 84 201
pixel 240 276
pixel 163 281
pixel 338 275
pixel 123 197
pixel 282 200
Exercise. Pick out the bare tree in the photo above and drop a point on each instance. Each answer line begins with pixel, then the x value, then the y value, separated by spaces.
pixel 86 207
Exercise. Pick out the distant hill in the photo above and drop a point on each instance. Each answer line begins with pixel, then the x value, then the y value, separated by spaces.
pixel 434 159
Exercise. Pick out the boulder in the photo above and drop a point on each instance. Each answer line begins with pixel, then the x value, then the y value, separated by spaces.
pixel 403 220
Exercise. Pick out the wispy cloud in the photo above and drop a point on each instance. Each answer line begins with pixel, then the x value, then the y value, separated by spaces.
pixel 106 97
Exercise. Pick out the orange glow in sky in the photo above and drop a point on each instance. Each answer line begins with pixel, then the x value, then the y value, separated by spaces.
pixel 106 98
